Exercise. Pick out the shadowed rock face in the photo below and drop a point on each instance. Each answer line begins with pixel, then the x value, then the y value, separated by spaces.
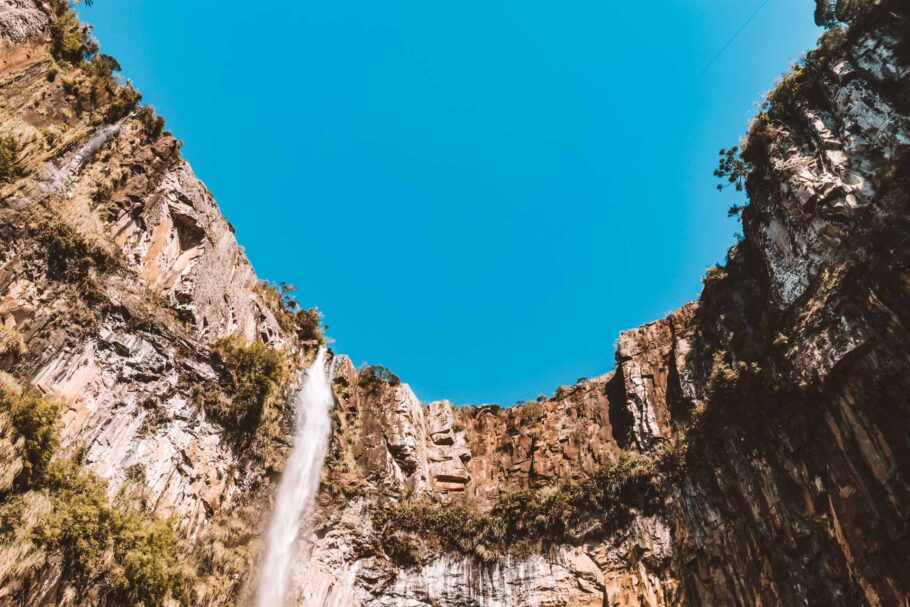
pixel 794 488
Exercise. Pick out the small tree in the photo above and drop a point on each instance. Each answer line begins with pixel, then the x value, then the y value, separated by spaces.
pixel 733 169
pixel 9 159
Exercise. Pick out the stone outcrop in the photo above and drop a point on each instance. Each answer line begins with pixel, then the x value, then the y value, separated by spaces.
pixel 781 395
pixel 117 273
pixel 795 491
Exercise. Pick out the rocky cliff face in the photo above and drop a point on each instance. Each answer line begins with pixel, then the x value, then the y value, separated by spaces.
pixel 752 448
pixel 782 391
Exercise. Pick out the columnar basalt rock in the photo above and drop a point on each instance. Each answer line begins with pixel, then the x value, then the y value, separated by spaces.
pixel 772 413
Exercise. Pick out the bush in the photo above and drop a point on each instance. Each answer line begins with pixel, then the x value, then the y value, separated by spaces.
pixel 9 159
pixel 732 381
pixel 124 556
pixel 152 122
pixel 132 557
pixel 71 41
pixel 371 378
pixel 306 323
pixel 309 325
pixel 124 100
pixel 251 375
pixel 529 412
pixel 34 420
pixel 70 257
pixel 521 520
pixel 713 275
pixel 136 473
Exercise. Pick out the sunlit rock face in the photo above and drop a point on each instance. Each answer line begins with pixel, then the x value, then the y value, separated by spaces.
pixel 793 492
pixel 799 495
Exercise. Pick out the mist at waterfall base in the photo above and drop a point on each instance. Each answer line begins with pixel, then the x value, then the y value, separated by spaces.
pixel 299 483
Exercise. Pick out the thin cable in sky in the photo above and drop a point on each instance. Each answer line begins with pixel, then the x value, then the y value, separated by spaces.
pixel 732 39
pixel 648 132
pixel 562 228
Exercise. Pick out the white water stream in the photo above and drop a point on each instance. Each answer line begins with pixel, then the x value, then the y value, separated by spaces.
pixel 299 483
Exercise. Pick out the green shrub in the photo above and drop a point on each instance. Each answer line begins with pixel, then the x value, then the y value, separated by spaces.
pixel 530 412
pixel 71 41
pixel 70 257
pixel 34 421
pixel 123 100
pixel 731 382
pixel 714 275
pixel 309 325
pixel 152 122
pixel 148 563
pixel 251 376
pixel 136 473
pixel 306 323
pixel 371 378
pixel 9 159
pixel 81 525
pixel 134 558
pixel 521 520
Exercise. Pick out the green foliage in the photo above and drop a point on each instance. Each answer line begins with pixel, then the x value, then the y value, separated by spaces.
pixel 112 553
pixel 521 520
pixel 103 66
pixel 136 473
pixel 798 83
pixel 9 159
pixel 132 556
pixel 309 325
pixel 530 412
pixel 371 378
pixel 81 525
pixel 122 101
pixel 732 382
pixel 251 374
pixel 71 41
pixel 226 551
pixel 70 257
pixel 94 86
pixel 306 323
pixel 714 275
pixel 152 122
pixel 733 169
pixel 829 13
pixel 34 420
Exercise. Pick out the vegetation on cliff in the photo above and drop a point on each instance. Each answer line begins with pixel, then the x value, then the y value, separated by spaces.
pixel 70 256
pixel 54 513
pixel 33 423
pixel 522 521
pixel 9 159
pixel 306 323
pixel 252 375
pixel 371 378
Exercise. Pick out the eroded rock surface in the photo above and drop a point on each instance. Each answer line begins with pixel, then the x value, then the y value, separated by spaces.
pixel 783 390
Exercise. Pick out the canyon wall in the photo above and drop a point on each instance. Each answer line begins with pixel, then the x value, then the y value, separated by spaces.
pixel 752 448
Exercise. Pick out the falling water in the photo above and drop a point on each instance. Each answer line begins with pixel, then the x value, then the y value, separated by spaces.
pixel 299 483
pixel 59 178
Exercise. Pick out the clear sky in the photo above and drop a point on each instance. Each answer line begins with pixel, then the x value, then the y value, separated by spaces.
pixel 478 194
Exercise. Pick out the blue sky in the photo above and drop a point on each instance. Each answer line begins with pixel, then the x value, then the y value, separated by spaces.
pixel 479 195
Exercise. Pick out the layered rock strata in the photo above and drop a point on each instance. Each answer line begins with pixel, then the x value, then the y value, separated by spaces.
pixel 783 390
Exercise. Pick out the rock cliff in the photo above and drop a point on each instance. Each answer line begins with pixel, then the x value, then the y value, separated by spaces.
pixel 752 448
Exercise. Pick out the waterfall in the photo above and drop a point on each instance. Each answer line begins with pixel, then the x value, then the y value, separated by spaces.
pixel 299 483
pixel 59 179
